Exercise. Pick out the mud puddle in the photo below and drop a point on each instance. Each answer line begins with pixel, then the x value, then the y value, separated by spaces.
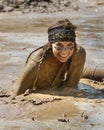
pixel 76 110
pixel 96 92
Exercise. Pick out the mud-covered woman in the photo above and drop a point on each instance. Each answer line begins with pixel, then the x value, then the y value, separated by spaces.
pixel 58 63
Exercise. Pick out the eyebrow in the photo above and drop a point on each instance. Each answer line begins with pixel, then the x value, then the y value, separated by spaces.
pixel 59 44
pixel 70 44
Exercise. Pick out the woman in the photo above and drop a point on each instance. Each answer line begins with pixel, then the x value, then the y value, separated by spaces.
pixel 58 63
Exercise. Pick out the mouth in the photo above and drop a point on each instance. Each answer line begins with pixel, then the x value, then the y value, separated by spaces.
pixel 63 56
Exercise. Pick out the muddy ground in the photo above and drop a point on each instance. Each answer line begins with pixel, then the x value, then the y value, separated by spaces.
pixel 68 109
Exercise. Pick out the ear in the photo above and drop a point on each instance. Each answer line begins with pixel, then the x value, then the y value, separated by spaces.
pixel 49 45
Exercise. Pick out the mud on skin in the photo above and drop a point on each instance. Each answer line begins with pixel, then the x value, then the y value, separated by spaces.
pixel 16 42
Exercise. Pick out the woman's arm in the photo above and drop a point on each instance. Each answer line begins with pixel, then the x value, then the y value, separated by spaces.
pixel 28 75
pixel 76 68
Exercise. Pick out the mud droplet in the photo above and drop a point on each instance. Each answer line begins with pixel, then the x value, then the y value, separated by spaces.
pixel 86 117
pixel 33 119
pixel 92 124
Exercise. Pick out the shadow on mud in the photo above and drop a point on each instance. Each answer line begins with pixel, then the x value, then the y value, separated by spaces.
pixel 83 91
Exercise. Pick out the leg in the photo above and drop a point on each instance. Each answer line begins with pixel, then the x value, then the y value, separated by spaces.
pixel 93 73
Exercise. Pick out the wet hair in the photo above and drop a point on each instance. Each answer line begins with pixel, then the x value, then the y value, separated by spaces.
pixel 65 23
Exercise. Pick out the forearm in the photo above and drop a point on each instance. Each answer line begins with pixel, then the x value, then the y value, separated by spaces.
pixel 28 76
pixel 76 68
pixel 26 80
pixel 73 79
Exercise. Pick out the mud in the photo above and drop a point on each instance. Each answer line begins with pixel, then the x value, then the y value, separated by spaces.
pixel 68 109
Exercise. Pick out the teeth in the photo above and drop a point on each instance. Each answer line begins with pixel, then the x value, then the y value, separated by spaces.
pixel 63 56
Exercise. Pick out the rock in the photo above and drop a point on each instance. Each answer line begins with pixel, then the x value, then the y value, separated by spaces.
pixel 47 6
pixel 1 8
pixel 63 120
pixel 84 116
pixel 75 7
pixel 33 119
pixel 8 9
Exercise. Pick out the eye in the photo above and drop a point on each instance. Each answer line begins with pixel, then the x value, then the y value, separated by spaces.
pixel 71 48
pixel 58 48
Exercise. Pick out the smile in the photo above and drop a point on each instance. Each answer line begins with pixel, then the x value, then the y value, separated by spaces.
pixel 64 56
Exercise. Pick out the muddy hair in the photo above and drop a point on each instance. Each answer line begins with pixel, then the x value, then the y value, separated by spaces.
pixel 46 49
pixel 65 23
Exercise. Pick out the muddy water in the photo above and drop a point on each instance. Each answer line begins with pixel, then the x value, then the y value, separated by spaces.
pixel 22 33
pixel 19 36
pixel 91 37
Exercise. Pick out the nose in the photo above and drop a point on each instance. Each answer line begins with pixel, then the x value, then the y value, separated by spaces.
pixel 64 50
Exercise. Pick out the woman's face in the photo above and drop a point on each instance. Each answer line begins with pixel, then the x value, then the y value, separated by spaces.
pixel 63 50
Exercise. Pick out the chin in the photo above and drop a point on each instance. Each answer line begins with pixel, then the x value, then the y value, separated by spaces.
pixel 63 60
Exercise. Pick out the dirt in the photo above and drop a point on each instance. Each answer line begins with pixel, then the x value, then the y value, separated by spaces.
pixel 66 109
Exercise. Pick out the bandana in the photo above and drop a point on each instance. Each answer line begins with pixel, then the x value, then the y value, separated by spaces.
pixel 57 35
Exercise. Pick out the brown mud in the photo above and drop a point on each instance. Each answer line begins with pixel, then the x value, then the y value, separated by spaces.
pixel 64 109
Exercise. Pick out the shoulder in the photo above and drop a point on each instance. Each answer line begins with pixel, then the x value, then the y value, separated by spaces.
pixel 80 51
pixel 36 54
pixel 79 55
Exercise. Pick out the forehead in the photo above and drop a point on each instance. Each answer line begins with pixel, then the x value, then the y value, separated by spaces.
pixel 64 43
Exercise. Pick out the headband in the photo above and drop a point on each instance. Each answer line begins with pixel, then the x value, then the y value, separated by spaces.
pixel 59 34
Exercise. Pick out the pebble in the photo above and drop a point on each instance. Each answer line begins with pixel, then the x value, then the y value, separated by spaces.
pixel 84 116
pixel 63 120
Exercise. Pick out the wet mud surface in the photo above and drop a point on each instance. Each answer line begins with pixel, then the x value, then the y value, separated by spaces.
pixel 67 109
